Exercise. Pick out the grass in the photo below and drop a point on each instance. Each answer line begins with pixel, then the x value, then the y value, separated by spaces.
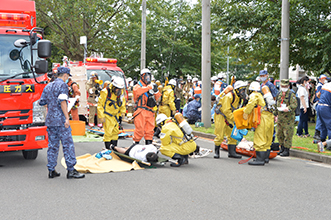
pixel 304 144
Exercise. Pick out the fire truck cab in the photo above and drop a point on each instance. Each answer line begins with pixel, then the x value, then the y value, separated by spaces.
pixel 22 79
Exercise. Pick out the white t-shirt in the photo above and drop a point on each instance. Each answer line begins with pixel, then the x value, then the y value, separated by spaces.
pixel 139 151
pixel 302 91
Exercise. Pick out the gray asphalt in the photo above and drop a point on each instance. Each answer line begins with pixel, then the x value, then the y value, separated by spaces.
pixel 207 188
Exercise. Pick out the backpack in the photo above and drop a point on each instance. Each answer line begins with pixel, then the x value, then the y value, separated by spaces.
pixel 297 110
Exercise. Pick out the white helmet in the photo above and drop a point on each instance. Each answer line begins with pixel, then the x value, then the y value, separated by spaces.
pixel 220 75
pixel 129 79
pixel 160 118
pixel 172 82
pixel 189 77
pixel 195 79
pixel 258 79
pixel 214 78
pixel 144 71
pixel 118 82
pixel 239 84
pixel 93 74
pixel 255 86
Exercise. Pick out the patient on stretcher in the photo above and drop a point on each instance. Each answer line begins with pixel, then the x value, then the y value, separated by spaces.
pixel 146 153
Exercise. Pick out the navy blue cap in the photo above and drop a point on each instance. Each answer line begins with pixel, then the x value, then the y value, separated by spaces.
pixel 62 69
pixel 263 72
pixel 197 96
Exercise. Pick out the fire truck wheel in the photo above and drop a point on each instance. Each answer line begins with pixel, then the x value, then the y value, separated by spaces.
pixel 30 154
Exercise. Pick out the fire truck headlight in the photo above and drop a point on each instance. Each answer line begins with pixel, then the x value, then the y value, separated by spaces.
pixel 39 113
pixel 40 138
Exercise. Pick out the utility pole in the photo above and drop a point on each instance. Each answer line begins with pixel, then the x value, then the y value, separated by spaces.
pixel 285 40
pixel 143 36
pixel 205 64
pixel 227 65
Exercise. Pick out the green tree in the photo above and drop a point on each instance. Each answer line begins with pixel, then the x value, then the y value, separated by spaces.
pixel 255 28
pixel 113 28
pixel 310 41
pixel 70 19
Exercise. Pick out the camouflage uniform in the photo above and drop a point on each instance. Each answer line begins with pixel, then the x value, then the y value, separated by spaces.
pixel 52 96
pixel 286 120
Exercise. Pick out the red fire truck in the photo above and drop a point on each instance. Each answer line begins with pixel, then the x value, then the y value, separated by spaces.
pixel 106 68
pixel 22 79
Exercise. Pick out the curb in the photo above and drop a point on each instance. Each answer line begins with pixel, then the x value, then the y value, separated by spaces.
pixel 204 135
pixel 310 156
pixel 293 153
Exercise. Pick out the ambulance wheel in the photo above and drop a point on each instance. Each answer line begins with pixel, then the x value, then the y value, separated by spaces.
pixel 30 154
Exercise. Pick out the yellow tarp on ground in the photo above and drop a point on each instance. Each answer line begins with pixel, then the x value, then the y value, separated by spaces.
pixel 90 164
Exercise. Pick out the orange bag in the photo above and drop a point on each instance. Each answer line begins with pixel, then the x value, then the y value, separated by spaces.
pixel 253 120
pixel 239 120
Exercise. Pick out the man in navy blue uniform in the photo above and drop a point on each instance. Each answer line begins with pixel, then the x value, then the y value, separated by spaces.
pixel 323 112
pixel 194 109
pixel 322 80
pixel 55 96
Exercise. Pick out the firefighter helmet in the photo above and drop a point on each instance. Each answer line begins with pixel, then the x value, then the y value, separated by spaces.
pixel 118 82
pixel 160 118
pixel 94 74
pixel 239 84
pixel 144 71
pixel 172 82
pixel 220 76
pixel 255 86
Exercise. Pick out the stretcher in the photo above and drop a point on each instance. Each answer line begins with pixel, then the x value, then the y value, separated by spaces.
pixel 246 148
pixel 98 131
pixel 95 131
pixel 162 161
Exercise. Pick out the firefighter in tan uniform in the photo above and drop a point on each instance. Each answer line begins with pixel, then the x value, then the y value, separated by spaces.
pixel 111 103
pixel 74 93
pixel 93 88
pixel 187 88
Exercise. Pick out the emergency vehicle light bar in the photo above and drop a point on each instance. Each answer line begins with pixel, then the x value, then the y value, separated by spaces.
pixel 101 60
pixel 17 20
